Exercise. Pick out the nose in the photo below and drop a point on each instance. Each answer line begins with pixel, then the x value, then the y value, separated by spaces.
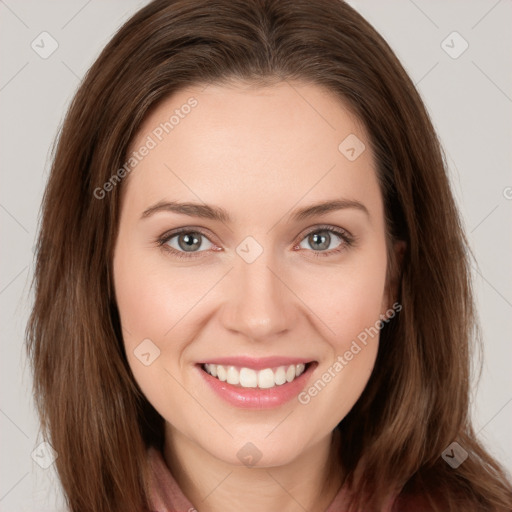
pixel 260 305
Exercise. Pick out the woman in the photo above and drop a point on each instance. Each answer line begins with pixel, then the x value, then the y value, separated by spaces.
pixel 313 353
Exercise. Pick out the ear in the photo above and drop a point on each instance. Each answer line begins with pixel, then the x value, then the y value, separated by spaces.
pixel 393 278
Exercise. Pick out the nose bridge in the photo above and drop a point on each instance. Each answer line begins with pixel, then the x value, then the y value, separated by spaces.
pixel 259 304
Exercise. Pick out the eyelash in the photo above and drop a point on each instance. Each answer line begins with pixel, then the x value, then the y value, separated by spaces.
pixel 348 241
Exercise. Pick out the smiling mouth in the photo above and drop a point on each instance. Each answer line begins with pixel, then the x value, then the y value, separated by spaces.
pixel 265 378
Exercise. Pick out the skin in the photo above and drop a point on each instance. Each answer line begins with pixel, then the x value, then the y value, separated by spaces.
pixel 259 153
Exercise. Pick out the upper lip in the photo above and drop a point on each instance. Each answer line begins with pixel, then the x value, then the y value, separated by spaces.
pixel 257 363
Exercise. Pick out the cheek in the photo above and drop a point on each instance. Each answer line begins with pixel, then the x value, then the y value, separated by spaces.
pixel 151 299
pixel 348 299
pixel 351 308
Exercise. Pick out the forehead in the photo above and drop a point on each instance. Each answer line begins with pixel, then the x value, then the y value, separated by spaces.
pixel 279 142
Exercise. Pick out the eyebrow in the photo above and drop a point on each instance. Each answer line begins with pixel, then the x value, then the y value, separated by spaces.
pixel 220 214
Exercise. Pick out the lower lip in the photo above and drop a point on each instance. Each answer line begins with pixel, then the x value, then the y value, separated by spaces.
pixel 256 398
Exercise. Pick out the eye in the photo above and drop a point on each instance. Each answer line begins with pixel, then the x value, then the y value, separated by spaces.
pixel 185 243
pixel 322 240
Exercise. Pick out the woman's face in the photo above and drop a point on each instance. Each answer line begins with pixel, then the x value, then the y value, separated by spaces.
pixel 251 284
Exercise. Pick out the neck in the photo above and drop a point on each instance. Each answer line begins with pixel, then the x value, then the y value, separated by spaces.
pixel 309 482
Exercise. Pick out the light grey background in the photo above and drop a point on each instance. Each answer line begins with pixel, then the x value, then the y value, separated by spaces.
pixel 469 99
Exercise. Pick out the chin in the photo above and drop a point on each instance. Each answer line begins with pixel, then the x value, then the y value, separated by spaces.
pixel 259 450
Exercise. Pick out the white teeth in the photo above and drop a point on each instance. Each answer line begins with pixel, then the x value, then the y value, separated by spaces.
pixel 249 378
pixel 233 376
pixel 280 376
pixel 266 378
pixel 290 373
pixel 221 373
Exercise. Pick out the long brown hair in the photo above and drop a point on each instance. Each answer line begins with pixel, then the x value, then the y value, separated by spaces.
pixel 416 402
